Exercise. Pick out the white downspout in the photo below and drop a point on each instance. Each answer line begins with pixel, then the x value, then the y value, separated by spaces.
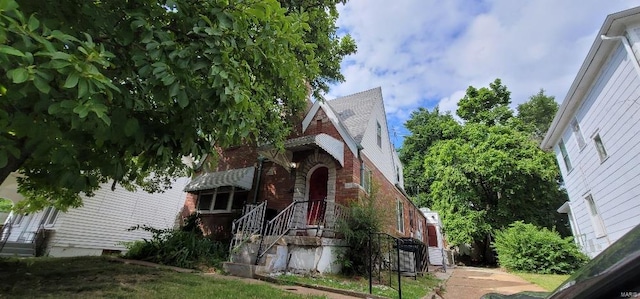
pixel 627 47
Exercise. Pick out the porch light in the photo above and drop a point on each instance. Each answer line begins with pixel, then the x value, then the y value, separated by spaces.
pixel 293 165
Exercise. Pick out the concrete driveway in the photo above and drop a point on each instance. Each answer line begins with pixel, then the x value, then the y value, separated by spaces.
pixel 472 283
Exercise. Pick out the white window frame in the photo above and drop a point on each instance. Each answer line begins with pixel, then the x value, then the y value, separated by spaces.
pixel 367 178
pixel 575 127
pixel 565 156
pixel 19 219
pixel 50 217
pixel 602 151
pixel 232 192
pixel 400 215
pixel 596 219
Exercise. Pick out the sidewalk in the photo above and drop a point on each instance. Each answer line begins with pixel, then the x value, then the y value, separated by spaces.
pixel 472 283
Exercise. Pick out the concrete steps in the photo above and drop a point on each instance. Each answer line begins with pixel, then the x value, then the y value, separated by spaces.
pixel 15 249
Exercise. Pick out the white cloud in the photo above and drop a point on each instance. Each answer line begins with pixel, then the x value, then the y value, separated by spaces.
pixel 427 52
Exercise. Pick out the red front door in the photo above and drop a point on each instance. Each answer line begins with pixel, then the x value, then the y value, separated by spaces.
pixel 317 195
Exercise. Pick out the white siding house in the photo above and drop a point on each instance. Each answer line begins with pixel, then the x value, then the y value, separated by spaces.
pixel 596 137
pixel 101 224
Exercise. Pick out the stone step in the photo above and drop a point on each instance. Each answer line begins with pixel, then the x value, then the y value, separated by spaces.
pixel 239 269
pixel 17 249
pixel 18 245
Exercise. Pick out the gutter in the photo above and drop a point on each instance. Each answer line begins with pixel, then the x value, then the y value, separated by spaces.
pixel 627 47
pixel 259 175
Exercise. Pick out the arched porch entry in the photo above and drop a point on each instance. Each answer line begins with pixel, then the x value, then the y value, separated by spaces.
pixel 317 194
pixel 316 182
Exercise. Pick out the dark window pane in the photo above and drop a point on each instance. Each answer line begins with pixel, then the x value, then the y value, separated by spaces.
pixel 204 201
pixel 239 199
pixel 222 201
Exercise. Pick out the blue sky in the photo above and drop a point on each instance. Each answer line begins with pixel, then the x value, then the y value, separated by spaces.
pixel 425 53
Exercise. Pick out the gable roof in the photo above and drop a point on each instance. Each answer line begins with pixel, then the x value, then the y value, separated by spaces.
pixel 333 117
pixel 355 110
pixel 614 25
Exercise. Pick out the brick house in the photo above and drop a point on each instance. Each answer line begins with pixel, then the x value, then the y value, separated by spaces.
pixel 339 151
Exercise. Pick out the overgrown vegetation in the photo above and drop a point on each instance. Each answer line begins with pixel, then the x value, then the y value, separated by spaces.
pixel 100 277
pixel 363 218
pixel 186 247
pixel 526 247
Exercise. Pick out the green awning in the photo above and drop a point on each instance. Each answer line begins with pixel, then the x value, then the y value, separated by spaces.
pixel 242 178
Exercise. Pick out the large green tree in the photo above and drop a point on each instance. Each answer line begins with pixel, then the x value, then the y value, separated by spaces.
pixel 537 113
pixel 119 91
pixel 481 175
pixel 425 128
pixel 489 106
pixel 489 177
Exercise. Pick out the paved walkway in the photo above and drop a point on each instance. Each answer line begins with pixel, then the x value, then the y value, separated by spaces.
pixel 472 283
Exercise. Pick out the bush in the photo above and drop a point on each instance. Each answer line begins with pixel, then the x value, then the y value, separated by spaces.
pixel 526 247
pixel 363 217
pixel 186 247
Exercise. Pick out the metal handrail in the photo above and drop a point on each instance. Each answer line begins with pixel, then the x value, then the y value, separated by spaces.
pixel 6 232
pixel 249 224
pixel 279 226
pixel 298 215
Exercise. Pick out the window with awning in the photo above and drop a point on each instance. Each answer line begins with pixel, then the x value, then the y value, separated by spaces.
pixel 241 178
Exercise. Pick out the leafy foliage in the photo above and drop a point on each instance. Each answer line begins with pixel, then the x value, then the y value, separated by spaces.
pixel 364 217
pixel 186 247
pixel 537 114
pixel 489 106
pixel 5 205
pixel 486 173
pixel 489 177
pixel 427 128
pixel 526 247
pixel 98 91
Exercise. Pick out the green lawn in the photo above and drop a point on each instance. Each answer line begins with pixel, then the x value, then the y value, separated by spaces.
pixel 96 277
pixel 411 288
pixel 547 281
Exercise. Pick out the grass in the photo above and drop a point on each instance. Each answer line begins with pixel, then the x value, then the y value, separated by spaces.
pixel 96 277
pixel 548 282
pixel 411 288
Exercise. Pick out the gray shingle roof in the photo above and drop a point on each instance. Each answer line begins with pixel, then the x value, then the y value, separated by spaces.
pixel 355 110
pixel 242 178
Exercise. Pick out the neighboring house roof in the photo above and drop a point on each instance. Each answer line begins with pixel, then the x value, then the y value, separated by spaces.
pixel 242 178
pixel 614 25
pixel 355 110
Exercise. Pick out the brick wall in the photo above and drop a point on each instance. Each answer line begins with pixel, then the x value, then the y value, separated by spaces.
pixel 277 183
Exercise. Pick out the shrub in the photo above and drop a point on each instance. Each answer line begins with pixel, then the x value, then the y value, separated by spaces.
pixel 363 217
pixel 185 247
pixel 526 247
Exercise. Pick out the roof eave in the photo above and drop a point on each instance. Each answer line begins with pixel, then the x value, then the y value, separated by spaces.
pixel 614 24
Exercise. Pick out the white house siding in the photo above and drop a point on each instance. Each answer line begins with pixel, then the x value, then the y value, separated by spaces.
pixel 102 222
pixel 611 109
pixel 381 155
